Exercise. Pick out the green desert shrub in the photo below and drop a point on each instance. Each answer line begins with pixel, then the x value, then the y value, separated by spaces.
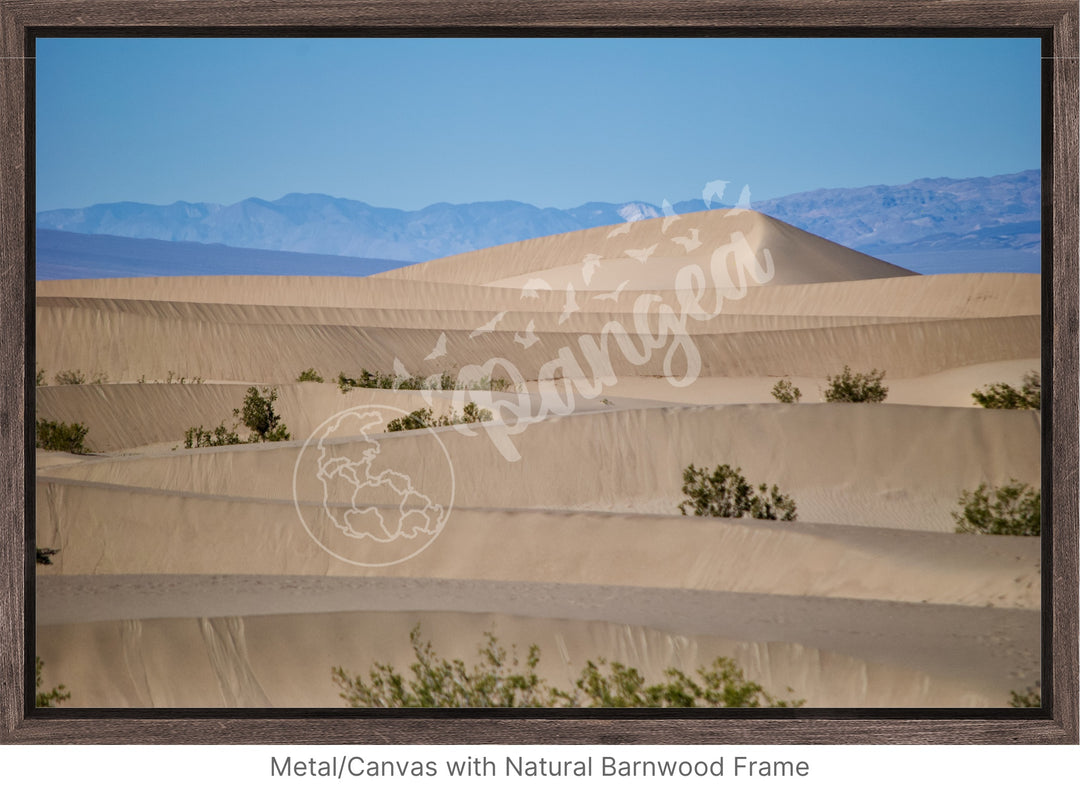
pixel 39 378
pixel 726 493
pixel 1031 697
pixel 443 381
pixel 172 377
pixel 486 383
pixel 785 391
pixel 74 377
pixel 1013 509
pixel 309 376
pixel 368 379
pixel 422 418
pixel 496 681
pixel 61 437
pixel 52 697
pixel 220 436
pixel 417 420
pixel 258 415
pixel 43 555
pixel 1003 395
pixel 722 684
pixel 69 377
pixel 851 386
pixel 500 679
pixel 471 414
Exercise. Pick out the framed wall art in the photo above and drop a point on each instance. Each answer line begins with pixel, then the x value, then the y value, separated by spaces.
pixel 571 372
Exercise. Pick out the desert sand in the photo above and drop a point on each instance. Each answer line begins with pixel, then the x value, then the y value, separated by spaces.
pixel 220 577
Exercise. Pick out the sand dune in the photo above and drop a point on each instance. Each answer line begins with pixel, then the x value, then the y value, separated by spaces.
pixel 217 535
pixel 592 317
pixel 128 416
pixel 285 661
pixel 847 624
pixel 950 387
pixel 273 353
pixel 922 296
pixel 888 465
pixel 654 245
pixel 204 577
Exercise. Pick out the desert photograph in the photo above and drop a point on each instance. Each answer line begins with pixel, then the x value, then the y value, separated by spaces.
pixel 558 373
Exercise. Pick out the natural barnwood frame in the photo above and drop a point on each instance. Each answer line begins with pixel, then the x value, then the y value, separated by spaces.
pixel 1055 21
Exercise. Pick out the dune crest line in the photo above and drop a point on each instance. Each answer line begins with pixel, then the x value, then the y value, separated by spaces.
pixel 691 289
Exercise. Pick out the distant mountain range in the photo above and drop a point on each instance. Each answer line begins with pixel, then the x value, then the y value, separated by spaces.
pixel 60 255
pixel 951 224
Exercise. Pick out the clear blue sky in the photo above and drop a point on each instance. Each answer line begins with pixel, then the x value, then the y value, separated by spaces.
pixel 405 123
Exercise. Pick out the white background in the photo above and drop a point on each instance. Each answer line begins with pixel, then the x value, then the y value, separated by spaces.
pixel 911 772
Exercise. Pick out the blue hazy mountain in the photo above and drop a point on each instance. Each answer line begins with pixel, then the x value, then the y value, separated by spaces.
pixel 61 255
pixel 942 224
pixel 930 225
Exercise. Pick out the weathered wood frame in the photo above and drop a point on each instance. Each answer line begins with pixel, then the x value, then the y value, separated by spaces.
pixel 1055 21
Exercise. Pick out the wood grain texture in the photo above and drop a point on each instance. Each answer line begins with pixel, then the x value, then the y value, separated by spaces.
pixel 504 728
pixel 1060 458
pixel 13 312
pixel 20 18
pixel 561 14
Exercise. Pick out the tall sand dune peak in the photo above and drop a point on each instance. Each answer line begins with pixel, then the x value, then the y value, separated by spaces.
pixel 650 252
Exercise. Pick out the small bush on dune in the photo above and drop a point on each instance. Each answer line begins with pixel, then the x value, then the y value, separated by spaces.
pixel 723 684
pixel 1013 509
pixel 423 418
pixel 486 383
pixel 851 386
pixel 417 420
pixel 1031 697
pixel 437 682
pixel 43 555
pixel 499 680
pixel 1002 395
pixel 258 415
pixel 785 391
pixel 772 505
pixel 73 377
pixel 379 380
pixel 173 377
pixel 471 414
pixel 726 493
pixel 50 698
pixel 61 437
pixel 218 437
pixel 70 378
pixel 39 378
pixel 443 381
pixel 309 376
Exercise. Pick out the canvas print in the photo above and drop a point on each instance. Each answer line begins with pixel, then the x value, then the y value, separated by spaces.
pixel 555 373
